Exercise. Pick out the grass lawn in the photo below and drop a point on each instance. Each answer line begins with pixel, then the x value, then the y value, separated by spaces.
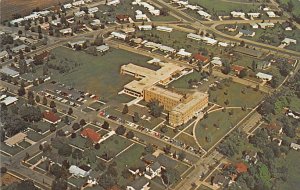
pixel 129 159
pixel 96 105
pixel 34 136
pixel 221 119
pixel 113 145
pixel 235 96
pixel 296 3
pixel 24 144
pixel 10 150
pixel 35 159
pixel 182 83
pixel 169 133
pixel 98 74
pixel 186 139
pixel 291 161
pixel 203 187
pixel 78 182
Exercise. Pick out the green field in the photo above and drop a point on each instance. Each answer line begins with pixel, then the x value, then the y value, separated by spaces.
pixel 235 97
pixel 98 74
pixel 206 129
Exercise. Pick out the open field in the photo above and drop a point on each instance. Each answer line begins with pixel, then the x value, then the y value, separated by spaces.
pixel 217 124
pixel 233 93
pixel 7 179
pixel 100 74
pixel 10 7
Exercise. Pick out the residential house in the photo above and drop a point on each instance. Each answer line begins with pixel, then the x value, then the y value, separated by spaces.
pixel 241 167
pixel 113 2
pixel 128 30
pixel 237 68
pixel 3 54
pixel 102 48
pixel 155 12
pixel 79 14
pixel 263 65
pixel 220 181
pixel 95 22
pixel 119 35
pixel 264 76
pixel 271 14
pixel 236 14
pixel 164 29
pixel 153 170
pixel 9 72
pixel 17 21
pixel 78 3
pixel 247 32
pixel 295 146
pixel 12 141
pixel 265 25
pixel 122 18
pixel 56 22
pixel 141 17
pixel 250 156
pixel 204 14
pixel 288 41
pixel 201 58
pixel 167 49
pixel 254 25
pixel 222 44
pixel 9 100
pixel 145 27
pixel 183 53
pixel 141 183
pixel 216 61
pixel 293 114
pixel 253 15
pixel 81 171
pixel 67 6
pixel 66 31
pixel 75 44
pixel 91 134
pixel 231 28
pixel 93 10
pixel 51 117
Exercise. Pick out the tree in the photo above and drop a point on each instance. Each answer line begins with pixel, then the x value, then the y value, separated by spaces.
pixel 170 176
pixel 52 104
pixel 44 100
pixel 37 98
pixel 82 122
pixel 136 117
pixel 130 135
pixel 59 184
pixel 70 111
pixel 125 109
pixel 75 126
pixel 99 41
pixel 97 146
pixel 65 150
pixel 120 130
pixel 73 135
pixel 243 73
pixel 30 97
pixel 66 120
pixel 181 156
pixel 20 32
pixel 21 91
pixel 52 128
pixel 254 66
pixel 77 154
pixel 3 170
pixel 155 108
pixel 105 125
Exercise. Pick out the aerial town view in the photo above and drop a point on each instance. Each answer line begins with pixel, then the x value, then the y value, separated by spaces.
pixel 150 94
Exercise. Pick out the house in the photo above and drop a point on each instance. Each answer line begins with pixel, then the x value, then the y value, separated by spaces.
pixel 41 57
pixel 119 35
pixel 295 146
pixel 264 76
pixel 18 48
pixel 204 14
pixel 145 27
pixel 293 114
pixel 263 65
pixel 45 26
pixel 253 15
pixel 65 31
pixel 164 29
pixel 113 2
pixel 222 44
pixel 167 49
pixel 201 58
pixel 216 61
pixel 17 21
pixel 236 14
pixel 231 28
pixel 141 183
pixel 141 17
pixel 78 3
pixel 9 72
pixel 193 7
pixel 91 134
pixel 237 69
pixel 153 170
pixel 241 167
pixel 254 25
pixel 32 16
pixel 183 53
pixel 154 12
pixel 79 14
pixel 12 141
pixel 3 54
pixel 56 22
pixel 134 171
pixel 67 6
pixel 288 41
pixel 75 44
pixel 9 100
pixel 51 117
pixel 93 10
pixel 247 32
pixel 220 181
pixel 82 171
pixel 128 30
pixel 122 18
pixel 250 156
pixel 265 25
pixel 194 36
pixel 271 14
pixel 95 22
pixel 210 41
pixel 102 48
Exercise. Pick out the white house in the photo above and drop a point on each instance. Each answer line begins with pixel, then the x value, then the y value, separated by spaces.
pixel 102 48
pixel 295 146
pixel 153 170
pixel 253 15
pixel 264 76
pixel 152 45
pixel 78 3
pixel 164 29
pixel 183 53
pixel 167 49
pixel 96 22
pixel 204 14
pixel 236 14
pixel 9 72
pixel 247 33
pixel 194 36
pixel 119 35
pixel 66 31
pixel 265 25
pixel 288 41
pixel 271 14
pixel 79 14
pixel 9 100
pixel 77 43
pixel 216 61
pixel 67 6
pixel 113 2
pixel 17 21
pixel 155 12
pixel 56 22
pixel 32 16
pixel 254 25
pixel 82 171
pixel 145 27
pixel 141 17
pixel 223 44
pixel 3 54
pixel 93 10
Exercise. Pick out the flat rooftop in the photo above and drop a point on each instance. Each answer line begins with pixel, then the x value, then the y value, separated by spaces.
pixel 173 95
pixel 185 106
